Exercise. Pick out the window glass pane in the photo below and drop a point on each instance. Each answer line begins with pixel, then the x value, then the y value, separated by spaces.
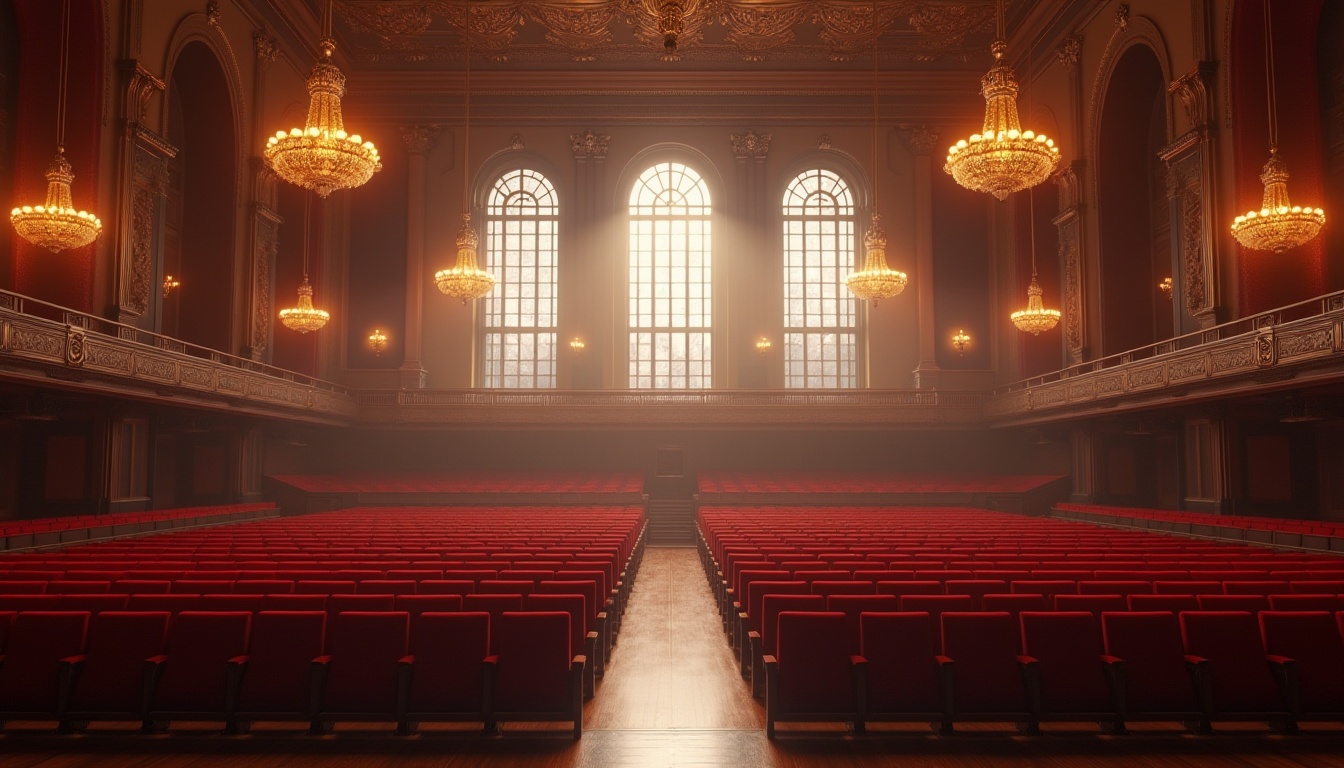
pixel 669 280
pixel 521 240
pixel 819 245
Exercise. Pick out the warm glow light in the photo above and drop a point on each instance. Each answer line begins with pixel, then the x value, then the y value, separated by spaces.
pixel 304 317
pixel 1279 225
pixel 577 344
pixel 56 226
pixel 876 280
pixel 377 342
pixel 763 345
pixel 465 280
pixel 169 283
pixel 1165 287
pixel 1035 318
pixel 960 341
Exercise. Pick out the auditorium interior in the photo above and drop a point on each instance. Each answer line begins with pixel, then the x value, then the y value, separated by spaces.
pixel 624 383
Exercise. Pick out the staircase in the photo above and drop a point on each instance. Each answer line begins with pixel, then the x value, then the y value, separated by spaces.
pixel 671 522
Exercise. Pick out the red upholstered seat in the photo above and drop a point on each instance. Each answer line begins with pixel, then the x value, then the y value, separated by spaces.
pixel 448 675
pixel 94 603
pixel 277 680
pixel 986 682
pixel 1192 587
pixel 172 603
pixel 1239 681
pixel 416 605
pixel 133 586
pixel 902 680
pixel 1097 587
pixel 6 623
pixel 1302 602
pixel 495 605
pixel 762 644
pixel 1256 587
pixel 294 602
pixel 1014 603
pixel 1145 651
pixel 1047 587
pixel 30 673
pixel 108 681
pixel 811 677
pixel 855 605
pixel 505 586
pixel 911 587
pixel 28 602
pixel 1068 679
pixel 77 587
pixel 201 662
pixel 935 605
pixel 1093 603
pixel 263 586
pixel 445 587
pixel 976 588
pixel 386 587
pixel 338 604
pixel 1312 640
pixel 365 667
pixel 536 677
pixel 580 638
pixel 1246 602
pixel 324 586
pixel 1155 602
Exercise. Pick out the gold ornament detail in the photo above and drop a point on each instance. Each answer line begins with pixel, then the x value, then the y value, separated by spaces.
pixel 465 280
pixel 56 226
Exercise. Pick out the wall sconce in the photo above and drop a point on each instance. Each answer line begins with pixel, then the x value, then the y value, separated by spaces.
pixel 1165 287
pixel 169 283
pixel 960 341
pixel 577 344
pixel 763 345
pixel 377 342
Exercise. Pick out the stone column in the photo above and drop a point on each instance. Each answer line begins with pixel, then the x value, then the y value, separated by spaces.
pixel 750 150
pixel 596 322
pixel 1069 220
pixel 1191 161
pixel 419 140
pixel 919 139
pixel 265 225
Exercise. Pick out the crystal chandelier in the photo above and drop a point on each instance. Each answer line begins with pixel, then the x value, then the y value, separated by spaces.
pixel 321 156
pixel 960 341
pixel 56 225
pixel 876 280
pixel 1279 225
pixel 305 317
pixel 465 280
pixel 1002 158
pixel 1035 318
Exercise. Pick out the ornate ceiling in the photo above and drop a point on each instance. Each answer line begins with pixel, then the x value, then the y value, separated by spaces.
pixel 689 35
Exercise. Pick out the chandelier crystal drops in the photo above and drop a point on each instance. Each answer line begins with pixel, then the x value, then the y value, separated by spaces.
pixel 1002 158
pixel 56 225
pixel 465 280
pixel 1035 318
pixel 304 317
pixel 876 281
pixel 1279 225
pixel 321 156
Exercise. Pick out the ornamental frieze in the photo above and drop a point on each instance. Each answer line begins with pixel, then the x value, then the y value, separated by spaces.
pixel 155 367
pixel 1299 344
pixel 108 358
pixel 38 342
pixel 1147 377
pixel 1235 359
pixel 197 376
pixel 1188 368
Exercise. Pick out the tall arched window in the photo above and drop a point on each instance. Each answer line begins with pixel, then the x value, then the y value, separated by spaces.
pixel 819 346
pixel 522 218
pixel 670 319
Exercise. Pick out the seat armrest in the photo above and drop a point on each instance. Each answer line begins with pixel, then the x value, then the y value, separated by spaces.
pixel 407 660
pixel 1027 661
pixel 236 667
pixel 1195 661
pixel 943 661
pixel 317 682
pixel 857 661
pixel 1286 674
pixel 1110 660
pixel 1279 661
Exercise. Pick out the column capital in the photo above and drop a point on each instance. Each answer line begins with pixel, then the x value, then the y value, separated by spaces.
pixel 420 138
pixel 919 139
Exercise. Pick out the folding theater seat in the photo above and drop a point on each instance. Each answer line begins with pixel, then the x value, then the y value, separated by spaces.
pixel 201 587
pixel 901 680
pixel 1093 603
pixel 505 586
pixel 935 605
pixel 172 603
pixel 28 602
pixel 851 587
pixel 277 677
pixel 197 677
pixel 30 679
pixel 1257 587
pixel 22 586
pixel 1303 602
pixel 979 666
pixel 231 602
pixel 1122 588
pixel 535 677
pixel 449 671
pixel 1014 602
pixel 263 586
pixel 1192 587
pixel 976 588
pixel 763 643
pixel 294 602
pixel 738 598
pixel 338 604
pixel 495 605
pixel 1307 656
pixel 580 638
pixel 1162 602
pixel 324 587
pixel 813 676
pixel 910 587
pixel 853 606
pixel 1237 683
pixel 417 605
pixel 95 603
pixel 1066 677
pixel 107 682
pixel 365 672
pixel 1247 603
pixel 1145 658
pixel 597 617
pixel 140 586
pixel 1047 587
pixel 445 587
pixel 749 615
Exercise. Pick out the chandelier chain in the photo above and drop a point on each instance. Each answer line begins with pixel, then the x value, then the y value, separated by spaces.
pixel 466 133
pixel 877 32
pixel 1271 98
pixel 62 87
pixel 307 226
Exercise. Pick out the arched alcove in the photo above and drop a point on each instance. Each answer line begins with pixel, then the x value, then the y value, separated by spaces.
pixel 1132 207
pixel 200 226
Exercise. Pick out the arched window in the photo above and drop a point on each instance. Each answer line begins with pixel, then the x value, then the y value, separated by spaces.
pixel 670 318
pixel 819 344
pixel 522 218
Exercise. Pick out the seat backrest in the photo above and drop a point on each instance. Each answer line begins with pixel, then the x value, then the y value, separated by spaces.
pixel 853 606
pixel 937 604
pixel 851 587
pixel 1255 587
pixel 1157 602
pixel 445 587
pixel 77 586
pixel 910 587
pixel 902 671
pixel 173 603
pixel 1303 602
pixel 200 644
pixel 571 604
pixel 324 586
pixel 1191 587
pixel 338 604
pixel 1047 587
pixel 140 586
pixel 814 651
pixel 1149 643
pixel 774 604
pixel 6 623
pixel 495 605
pixel 365 647
pixel 23 586
pixel 758 589
pixel 976 588
pixel 983 646
pixel 1238 669
pixel 1246 603
pixel 282 646
pixel 38 640
pixel 294 602
pixel 263 586
pixel 587 588
pixel 533 661
pixel 1067 646
pixel 201 587
pixel 114 665
pixel 1099 587
pixel 1312 639
pixel 1092 602
pixel 506 586
pixel 418 604
pixel 94 603
pixel 450 649
pixel 1014 602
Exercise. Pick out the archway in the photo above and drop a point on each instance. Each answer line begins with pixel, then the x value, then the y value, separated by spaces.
pixel 199 230
pixel 1132 206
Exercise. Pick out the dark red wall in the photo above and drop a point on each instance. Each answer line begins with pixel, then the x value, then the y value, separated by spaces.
pixel 961 273
pixel 1041 353
pixel 293 350
pixel 378 264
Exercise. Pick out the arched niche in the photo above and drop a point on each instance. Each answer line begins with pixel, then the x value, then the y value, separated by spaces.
pixel 200 224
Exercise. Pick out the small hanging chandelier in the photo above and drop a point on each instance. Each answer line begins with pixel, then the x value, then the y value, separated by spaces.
pixel 465 280
pixel 1035 318
pixel 1002 158
pixel 1279 225
pixel 321 156
pixel 56 225
pixel 304 317
pixel 876 280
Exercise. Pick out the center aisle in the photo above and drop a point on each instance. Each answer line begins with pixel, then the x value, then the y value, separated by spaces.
pixel 672 667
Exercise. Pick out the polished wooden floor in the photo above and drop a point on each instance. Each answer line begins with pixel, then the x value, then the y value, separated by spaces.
pixel 673 697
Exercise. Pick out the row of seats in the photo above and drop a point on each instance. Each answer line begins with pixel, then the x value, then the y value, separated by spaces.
pixel 721 482
pixel 237 667
pixel 1197 667
pixel 46 531
pixel 478 481
pixel 1323 527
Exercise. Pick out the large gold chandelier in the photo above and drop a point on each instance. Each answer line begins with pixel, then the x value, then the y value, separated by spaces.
pixel 304 317
pixel 321 156
pixel 1279 225
pixel 876 280
pixel 1002 158
pixel 56 225
pixel 465 280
